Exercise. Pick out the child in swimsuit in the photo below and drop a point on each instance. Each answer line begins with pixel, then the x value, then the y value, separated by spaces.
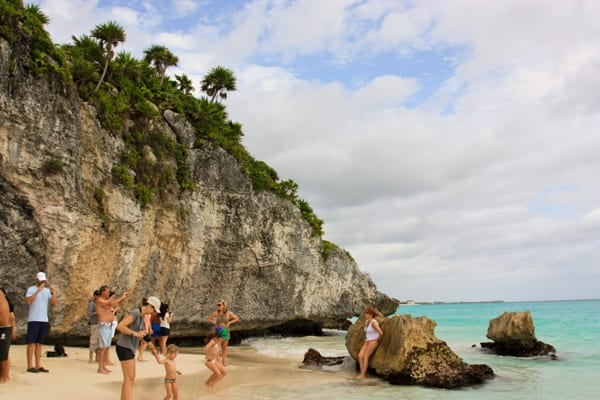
pixel 170 372
pixel 213 363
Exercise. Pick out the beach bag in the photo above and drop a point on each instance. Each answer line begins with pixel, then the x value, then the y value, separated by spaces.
pixel 59 351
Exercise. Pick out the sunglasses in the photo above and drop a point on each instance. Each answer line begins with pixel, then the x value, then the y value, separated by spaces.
pixel 219 304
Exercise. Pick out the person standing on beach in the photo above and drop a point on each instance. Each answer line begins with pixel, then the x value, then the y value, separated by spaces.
pixel 105 303
pixel 7 333
pixel 155 324
pixel 223 318
pixel 166 317
pixel 148 328
pixel 93 316
pixel 171 372
pixel 132 329
pixel 373 334
pixel 37 298
pixel 212 362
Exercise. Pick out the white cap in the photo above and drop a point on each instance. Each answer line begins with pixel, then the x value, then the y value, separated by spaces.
pixel 155 302
pixel 41 276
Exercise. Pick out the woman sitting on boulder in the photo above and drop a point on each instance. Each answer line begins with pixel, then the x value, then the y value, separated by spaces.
pixel 373 334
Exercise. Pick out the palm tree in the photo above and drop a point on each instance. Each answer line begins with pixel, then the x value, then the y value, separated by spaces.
pixel 85 55
pixel 129 66
pixel 109 35
pixel 160 58
pixel 217 82
pixel 184 83
pixel 36 12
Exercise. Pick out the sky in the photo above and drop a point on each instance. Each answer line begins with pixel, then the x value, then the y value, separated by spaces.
pixel 451 146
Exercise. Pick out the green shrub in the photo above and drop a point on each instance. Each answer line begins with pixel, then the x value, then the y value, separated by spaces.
pixel 327 248
pixel 52 167
pixel 99 195
pixel 121 176
pixel 146 108
pixel 184 214
pixel 143 194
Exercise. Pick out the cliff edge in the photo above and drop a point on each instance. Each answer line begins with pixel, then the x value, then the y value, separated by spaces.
pixel 61 212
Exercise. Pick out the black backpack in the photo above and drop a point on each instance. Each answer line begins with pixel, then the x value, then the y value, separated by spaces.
pixel 59 351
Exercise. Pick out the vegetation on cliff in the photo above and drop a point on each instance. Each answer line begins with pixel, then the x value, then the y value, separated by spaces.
pixel 129 92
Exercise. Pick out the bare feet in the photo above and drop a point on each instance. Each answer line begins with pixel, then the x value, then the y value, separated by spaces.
pixel 104 371
pixel 210 388
pixel 142 359
pixel 360 377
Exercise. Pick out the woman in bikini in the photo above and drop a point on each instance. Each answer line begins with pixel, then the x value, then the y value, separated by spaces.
pixel 223 318
pixel 373 334
pixel 212 361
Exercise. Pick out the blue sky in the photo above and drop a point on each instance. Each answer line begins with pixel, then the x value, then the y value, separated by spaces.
pixel 450 145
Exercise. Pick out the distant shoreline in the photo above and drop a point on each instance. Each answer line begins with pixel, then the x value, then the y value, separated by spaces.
pixel 415 303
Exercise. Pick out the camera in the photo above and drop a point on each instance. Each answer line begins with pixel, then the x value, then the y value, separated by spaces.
pixel 147 338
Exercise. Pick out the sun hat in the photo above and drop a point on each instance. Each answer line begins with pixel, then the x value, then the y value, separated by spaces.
pixel 155 302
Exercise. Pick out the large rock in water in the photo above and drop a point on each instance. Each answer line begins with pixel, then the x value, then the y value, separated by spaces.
pixel 513 334
pixel 188 247
pixel 410 354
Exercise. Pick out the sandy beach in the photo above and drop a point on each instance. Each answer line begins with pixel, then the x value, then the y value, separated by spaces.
pixel 73 377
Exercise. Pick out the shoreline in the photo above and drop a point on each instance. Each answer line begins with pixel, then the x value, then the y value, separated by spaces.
pixel 248 372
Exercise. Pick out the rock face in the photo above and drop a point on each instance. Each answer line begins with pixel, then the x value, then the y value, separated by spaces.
pixel 513 334
pixel 410 354
pixel 220 240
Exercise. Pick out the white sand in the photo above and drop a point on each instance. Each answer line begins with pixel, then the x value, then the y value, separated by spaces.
pixel 73 377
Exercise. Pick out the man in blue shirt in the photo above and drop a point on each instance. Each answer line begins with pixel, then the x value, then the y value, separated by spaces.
pixel 38 297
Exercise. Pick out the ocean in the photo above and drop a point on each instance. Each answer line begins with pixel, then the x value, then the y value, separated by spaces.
pixel 572 327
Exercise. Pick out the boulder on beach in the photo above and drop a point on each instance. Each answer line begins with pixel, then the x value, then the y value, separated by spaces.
pixel 513 334
pixel 410 354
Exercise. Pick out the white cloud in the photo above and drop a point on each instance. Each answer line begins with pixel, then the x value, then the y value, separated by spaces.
pixel 486 190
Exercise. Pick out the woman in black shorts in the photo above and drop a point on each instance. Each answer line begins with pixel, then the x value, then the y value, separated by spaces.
pixel 132 329
pixel 166 317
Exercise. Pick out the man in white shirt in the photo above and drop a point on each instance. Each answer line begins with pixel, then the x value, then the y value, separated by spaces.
pixel 38 297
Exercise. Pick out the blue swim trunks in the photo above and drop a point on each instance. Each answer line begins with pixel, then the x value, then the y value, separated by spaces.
pixel 105 335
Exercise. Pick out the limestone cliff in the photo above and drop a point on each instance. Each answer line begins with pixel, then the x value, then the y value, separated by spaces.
pixel 189 248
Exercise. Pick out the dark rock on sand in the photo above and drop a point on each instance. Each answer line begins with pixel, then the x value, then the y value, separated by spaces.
pixel 312 359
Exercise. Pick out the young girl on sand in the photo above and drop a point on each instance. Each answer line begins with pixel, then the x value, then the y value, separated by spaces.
pixel 213 363
pixel 170 372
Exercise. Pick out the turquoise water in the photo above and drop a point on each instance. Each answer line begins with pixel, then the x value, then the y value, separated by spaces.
pixel 572 327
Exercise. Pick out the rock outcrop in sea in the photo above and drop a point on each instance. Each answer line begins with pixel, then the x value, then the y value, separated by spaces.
pixel 513 334
pixel 61 212
pixel 409 353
